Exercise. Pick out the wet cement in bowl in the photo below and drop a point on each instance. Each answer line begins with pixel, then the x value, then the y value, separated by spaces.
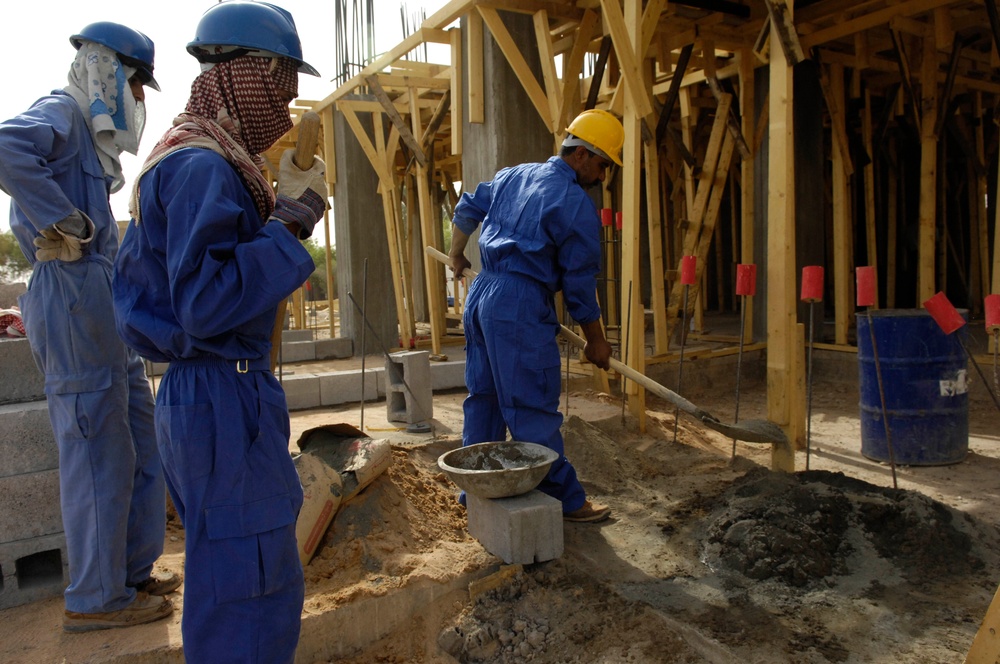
pixel 498 469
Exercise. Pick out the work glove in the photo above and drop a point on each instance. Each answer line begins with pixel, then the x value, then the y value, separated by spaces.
pixel 301 194
pixel 65 240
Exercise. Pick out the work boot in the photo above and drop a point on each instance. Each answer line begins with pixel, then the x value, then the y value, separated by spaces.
pixel 143 609
pixel 159 584
pixel 588 513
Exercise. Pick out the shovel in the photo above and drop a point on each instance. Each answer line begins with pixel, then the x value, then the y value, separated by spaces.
pixel 750 431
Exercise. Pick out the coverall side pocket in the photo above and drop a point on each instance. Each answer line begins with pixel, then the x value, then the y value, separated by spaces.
pixel 252 546
pixel 186 437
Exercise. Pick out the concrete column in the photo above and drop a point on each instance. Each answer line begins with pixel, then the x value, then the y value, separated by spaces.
pixel 512 132
pixel 360 233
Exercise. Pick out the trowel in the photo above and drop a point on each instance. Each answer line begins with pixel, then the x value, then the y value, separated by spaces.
pixel 750 431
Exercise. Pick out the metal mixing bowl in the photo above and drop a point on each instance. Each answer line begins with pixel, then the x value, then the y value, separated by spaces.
pixel 497 470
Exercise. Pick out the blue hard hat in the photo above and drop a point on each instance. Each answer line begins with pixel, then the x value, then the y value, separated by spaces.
pixel 249 25
pixel 134 49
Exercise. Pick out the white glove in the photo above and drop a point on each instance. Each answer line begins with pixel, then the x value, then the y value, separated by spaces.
pixel 293 182
pixel 55 243
pixel 301 194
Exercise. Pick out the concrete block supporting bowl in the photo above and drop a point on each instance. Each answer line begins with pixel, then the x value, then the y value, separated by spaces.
pixel 499 469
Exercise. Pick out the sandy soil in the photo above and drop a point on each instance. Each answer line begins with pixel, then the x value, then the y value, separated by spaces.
pixel 707 558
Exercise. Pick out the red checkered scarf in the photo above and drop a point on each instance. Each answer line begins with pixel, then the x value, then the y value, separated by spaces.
pixel 235 111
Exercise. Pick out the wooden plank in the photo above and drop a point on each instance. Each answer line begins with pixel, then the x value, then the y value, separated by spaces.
pixel 842 238
pixel 985 647
pixel 430 131
pixel 650 19
pixel 572 68
pixel 904 74
pixel 517 63
pixel 433 273
pixel 868 174
pixel 982 226
pixel 385 178
pixel 397 119
pixel 872 20
pixel 447 14
pixel 329 147
pixel 477 100
pixel 457 98
pixel 550 77
pixel 927 217
pixel 747 175
pixel 838 122
pixel 598 75
pixel 781 21
pixel 654 224
pixel 406 81
pixel 675 87
pixel 780 278
pixel 627 57
pixel 633 337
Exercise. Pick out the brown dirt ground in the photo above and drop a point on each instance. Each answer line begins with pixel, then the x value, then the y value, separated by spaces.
pixel 707 558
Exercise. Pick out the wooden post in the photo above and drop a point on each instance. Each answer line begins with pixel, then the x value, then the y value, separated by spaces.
pixel 871 238
pixel 457 99
pixel 928 172
pixel 842 276
pixel 633 343
pixel 781 267
pixel 747 111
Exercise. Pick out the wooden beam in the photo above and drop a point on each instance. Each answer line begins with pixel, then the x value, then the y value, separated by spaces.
pixel 457 98
pixel 675 86
pixel 927 219
pixel 842 238
pixel 547 58
pixel 435 122
pixel 573 67
pixel 781 273
pixel 517 63
pixel 904 74
pixel 627 57
pixel 838 122
pixel 747 112
pixel 598 76
pixel 781 20
pixel 949 82
pixel 868 174
pixel 385 178
pixel 732 122
pixel 872 20
pixel 477 100
pixel 397 119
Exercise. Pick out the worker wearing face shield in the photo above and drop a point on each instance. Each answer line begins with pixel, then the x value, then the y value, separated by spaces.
pixel 59 162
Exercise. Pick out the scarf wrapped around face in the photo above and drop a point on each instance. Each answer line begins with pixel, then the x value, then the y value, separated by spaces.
pixel 236 111
pixel 99 84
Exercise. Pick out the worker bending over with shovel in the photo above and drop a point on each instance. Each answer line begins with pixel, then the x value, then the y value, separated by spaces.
pixel 60 161
pixel 209 255
pixel 540 234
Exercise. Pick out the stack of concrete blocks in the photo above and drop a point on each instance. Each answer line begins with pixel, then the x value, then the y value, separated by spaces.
pixel 521 529
pixel 33 560
pixel 409 393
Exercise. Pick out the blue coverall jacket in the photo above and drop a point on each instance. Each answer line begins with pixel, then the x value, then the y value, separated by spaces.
pixel 100 403
pixel 197 284
pixel 540 234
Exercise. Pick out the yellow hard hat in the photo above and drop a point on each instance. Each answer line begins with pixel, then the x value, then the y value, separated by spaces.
pixel 598 131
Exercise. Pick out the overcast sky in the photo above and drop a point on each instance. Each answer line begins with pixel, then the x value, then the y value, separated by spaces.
pixel 35 35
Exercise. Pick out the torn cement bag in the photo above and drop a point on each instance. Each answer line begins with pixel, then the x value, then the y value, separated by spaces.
pixel 336 463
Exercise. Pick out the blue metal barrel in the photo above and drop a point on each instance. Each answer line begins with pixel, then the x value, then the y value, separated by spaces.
pixel 926 392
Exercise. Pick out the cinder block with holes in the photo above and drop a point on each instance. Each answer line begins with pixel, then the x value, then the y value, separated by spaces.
pixel 32 569
pixel 408 389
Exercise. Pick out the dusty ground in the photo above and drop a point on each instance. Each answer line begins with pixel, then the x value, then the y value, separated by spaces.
pixel 706 559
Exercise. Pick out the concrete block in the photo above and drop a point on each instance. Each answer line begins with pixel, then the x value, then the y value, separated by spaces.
pixel 156 368
pixel 334 349
pixel 297 351
pixel 296 335
pixel 33 569
pixel 408 391
pixel 30 506
pixel 345 386
pixel 301 391
pixel 447 375
pixel 17 360
pixel 522 529
pixel 26 441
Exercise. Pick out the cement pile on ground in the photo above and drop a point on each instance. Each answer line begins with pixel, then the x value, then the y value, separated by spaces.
pixel 817 526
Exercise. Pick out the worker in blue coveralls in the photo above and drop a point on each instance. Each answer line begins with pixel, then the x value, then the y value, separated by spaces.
pixel 540 234
pixel 59 162
pixel 206 260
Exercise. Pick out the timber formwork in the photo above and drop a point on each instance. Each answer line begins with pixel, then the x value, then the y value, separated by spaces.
pixel 887 158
